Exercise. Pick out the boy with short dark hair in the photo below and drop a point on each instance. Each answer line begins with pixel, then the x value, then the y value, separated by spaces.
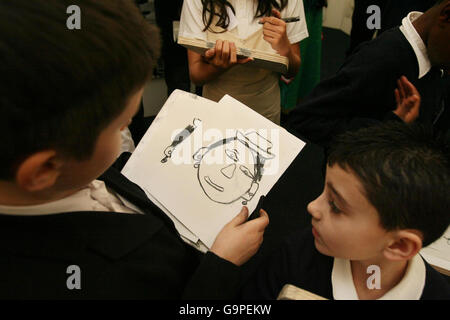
pixel 65 96
pixel 386 196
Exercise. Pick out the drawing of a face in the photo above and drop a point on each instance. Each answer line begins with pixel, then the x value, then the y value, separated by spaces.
pixel 235 177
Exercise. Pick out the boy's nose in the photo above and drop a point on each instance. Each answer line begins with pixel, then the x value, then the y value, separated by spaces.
pixel 313 209
pixel 229 171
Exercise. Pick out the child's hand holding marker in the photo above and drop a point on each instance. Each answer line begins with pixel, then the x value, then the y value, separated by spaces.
pixel 274 31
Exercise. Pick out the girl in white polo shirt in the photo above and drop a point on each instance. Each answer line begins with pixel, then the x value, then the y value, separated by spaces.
pixel 220 71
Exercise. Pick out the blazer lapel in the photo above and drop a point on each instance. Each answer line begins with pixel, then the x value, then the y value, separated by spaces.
pixel 133 193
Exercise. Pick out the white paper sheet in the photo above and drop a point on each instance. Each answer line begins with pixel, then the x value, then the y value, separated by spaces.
pixel 207 179
pixel 438 253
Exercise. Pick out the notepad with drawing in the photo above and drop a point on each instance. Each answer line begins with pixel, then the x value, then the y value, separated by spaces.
pixel 264 57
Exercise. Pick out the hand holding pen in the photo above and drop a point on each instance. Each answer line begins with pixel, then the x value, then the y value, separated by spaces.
pixel 287 20
pixel 274 31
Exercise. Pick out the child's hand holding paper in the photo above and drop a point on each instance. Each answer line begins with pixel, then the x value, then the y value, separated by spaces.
pixel 240 239
pixel 224 55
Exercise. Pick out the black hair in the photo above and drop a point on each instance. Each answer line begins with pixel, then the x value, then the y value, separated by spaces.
pixel 58 87
pixel 405 171
pixel 218 8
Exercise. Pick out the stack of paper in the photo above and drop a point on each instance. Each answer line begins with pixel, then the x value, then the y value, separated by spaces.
pixel 438 253
pixel 261 59
pixel 201 161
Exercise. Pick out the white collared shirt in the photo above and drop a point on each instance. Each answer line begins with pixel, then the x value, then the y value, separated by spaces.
pixel 416 42
pixel 409 288
pixel 127 141
pixel 191 23
pixel 94 197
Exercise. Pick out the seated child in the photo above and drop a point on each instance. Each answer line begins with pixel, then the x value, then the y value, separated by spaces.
pixel 65 96
pixel 385 197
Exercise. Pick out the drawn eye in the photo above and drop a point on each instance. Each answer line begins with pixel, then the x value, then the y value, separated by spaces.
pixel 232 154
pixel 247 172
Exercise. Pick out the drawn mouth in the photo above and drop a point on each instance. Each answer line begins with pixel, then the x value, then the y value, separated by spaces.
pixel 212 184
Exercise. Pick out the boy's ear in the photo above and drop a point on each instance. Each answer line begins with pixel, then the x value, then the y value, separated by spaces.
pixel 39 171
pixel 404 246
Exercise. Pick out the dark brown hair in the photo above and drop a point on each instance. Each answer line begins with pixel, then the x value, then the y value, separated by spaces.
pixel 58 87
pixel 405 171
pixel 218 8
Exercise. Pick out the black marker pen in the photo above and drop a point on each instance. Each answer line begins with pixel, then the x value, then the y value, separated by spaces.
pixel 259 206
pixel 287 20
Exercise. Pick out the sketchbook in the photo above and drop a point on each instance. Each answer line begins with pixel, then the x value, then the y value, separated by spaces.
pixel 201 161
pixel 263 59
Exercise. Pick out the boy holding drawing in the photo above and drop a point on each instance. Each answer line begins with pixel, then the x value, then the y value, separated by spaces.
pixel 386 196
pixel 65 96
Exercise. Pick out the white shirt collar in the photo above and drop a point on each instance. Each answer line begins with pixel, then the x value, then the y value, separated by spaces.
pixel 416 42
pixel 94 197
pixel 409 288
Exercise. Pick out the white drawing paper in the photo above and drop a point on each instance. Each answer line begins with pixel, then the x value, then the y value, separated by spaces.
pixel 438 253
pixel 202 161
